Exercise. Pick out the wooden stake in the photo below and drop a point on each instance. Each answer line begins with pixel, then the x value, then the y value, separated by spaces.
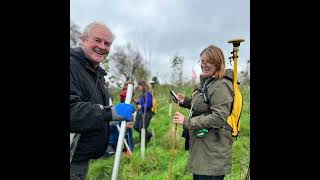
pixel 174 141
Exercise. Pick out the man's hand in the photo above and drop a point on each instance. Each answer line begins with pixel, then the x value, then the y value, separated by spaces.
pixel 122 111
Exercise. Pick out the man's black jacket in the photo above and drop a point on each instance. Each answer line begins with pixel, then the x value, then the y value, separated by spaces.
pixel 87 96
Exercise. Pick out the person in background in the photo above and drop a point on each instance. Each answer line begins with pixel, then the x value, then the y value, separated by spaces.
pixel 123 93
pixel 114 132
pixel 145 106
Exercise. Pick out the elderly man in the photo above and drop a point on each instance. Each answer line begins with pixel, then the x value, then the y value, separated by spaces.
pixel 90 112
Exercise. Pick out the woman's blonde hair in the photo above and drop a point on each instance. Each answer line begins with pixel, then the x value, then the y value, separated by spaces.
pixel 216 57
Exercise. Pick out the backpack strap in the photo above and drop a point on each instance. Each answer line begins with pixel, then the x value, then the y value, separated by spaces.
pixel 230 79
pixel 204 89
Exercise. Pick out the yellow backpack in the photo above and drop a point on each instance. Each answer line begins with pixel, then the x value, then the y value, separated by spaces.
pixel 234 118
pixel 154 103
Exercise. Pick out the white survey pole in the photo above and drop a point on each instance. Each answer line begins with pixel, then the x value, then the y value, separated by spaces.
pixel 143 142
pixel 72 135
pixel 74 139
pixel 116 165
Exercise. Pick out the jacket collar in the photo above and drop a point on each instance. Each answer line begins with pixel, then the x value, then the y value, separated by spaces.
pixel 203 79
pixel 87 63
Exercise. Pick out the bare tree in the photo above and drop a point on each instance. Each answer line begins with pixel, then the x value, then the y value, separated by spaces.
pixel 176 67
pixel 129 62
pixel 75 34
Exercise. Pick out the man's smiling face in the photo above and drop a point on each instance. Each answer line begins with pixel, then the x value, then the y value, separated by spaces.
pixel 98 44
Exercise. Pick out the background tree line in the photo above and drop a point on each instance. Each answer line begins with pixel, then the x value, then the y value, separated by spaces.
pixel 130 63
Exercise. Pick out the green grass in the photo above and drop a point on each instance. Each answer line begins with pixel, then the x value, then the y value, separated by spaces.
pixel 158 154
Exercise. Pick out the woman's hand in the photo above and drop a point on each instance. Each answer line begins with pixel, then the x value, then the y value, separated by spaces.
pixel 181 97
pixel 178 118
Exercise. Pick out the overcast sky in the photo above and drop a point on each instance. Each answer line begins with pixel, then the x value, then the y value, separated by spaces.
pixel 163 28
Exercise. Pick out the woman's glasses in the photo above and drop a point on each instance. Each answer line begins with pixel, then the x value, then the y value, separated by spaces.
pixel 200 62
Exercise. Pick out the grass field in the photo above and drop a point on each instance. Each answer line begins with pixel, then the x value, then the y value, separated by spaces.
pixel 158 154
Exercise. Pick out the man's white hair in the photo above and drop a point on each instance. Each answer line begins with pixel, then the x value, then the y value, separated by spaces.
pixel 87 29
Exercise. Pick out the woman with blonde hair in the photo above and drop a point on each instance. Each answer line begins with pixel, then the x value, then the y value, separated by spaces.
pixel 210 143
